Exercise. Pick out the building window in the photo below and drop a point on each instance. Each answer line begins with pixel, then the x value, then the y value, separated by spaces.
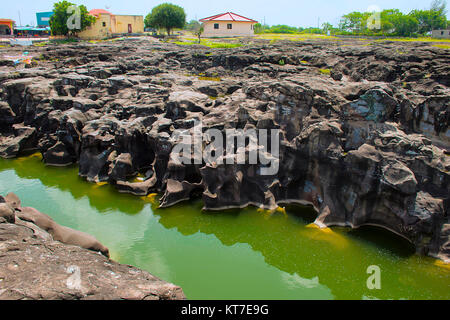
pixel 104 24
pixel 442 33
pixel 230 26
pixel 216 26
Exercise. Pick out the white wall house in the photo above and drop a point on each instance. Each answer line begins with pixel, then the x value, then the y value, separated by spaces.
pixel 228 25
pixel 441 34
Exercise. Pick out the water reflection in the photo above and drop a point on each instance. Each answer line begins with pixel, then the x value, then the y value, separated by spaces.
pixel 67 179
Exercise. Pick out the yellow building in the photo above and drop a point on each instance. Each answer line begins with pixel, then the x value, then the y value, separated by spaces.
pixel 127 24
pixel 108 25
pixel 228 25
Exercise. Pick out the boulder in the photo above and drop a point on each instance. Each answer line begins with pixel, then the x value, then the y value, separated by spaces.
pixel 58 155
pixel 7 213
pixel 13 201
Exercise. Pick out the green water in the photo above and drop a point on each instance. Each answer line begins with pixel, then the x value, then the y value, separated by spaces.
pixel 242 254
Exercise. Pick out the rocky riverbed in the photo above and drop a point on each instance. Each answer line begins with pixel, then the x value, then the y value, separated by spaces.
pixel 365 135
pixel 40 259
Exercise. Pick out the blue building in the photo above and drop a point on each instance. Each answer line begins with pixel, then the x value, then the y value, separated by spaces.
pixel 43 18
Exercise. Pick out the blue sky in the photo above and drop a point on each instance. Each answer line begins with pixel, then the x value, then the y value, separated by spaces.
pixel 300 13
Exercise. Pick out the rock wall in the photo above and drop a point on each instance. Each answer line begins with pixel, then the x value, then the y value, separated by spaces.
pixel 365 135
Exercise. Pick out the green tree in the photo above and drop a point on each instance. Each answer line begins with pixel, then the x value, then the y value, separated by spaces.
pixel 327 27
pixel 199 31
pixel 259 28
pixel 429 20
pixel 69 19
pixel 355 22
pixel 166 16
pixel 439 6
pixel 388 20
pixel 282 29
pixel 405 25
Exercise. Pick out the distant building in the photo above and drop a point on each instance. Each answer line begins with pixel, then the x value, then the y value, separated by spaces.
pixel 31 32
pixel 6 27
pixel 108 24
pixel 228 25
pixel 441 34
pixel 43 19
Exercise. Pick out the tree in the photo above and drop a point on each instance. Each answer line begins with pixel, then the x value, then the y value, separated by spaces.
pixel 388 20
pixel 439 6
pixel 405 25
pixel 429 20
pixel 284 29
pixel 69 19
pixel 259 28
pixel 166 16
pixel 354 22
pixel 199 31
pixel 327 27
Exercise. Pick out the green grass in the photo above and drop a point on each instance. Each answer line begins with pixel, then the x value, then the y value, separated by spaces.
pixel 293 37
pixel 418 39
pixel 274 37
pixel 325 71
pixel 41 44
pixel 217 79
pixel 442 46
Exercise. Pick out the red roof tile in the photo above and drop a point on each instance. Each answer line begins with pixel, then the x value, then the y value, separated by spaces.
pixel 97 12
pixel 229 16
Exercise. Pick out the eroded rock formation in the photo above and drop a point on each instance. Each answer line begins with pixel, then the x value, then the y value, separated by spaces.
pixel 40 259
pixel 365 135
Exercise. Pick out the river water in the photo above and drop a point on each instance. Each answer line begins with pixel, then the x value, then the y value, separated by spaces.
pixel 242 254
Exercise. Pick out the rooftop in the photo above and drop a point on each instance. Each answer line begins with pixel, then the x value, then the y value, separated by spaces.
pixel 229 16
pixel 97 12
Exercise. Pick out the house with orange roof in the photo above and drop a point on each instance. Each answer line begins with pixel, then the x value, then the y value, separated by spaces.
pixel 6 27
pixel 228 25
pixel 108 24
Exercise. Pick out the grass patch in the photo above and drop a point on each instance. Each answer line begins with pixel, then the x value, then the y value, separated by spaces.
pixel 442 46
pixel 41 44
pixel 217 79
pixel 418 39
pixel 293 37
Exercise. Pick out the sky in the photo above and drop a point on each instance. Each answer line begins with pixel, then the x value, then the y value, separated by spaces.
pixel 299 13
